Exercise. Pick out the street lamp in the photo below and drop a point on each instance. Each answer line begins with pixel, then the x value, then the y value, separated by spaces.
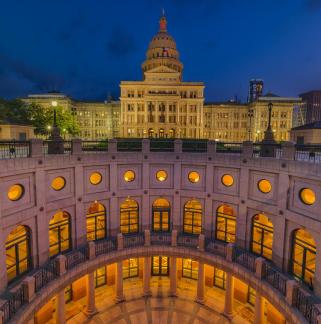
pixel 250 114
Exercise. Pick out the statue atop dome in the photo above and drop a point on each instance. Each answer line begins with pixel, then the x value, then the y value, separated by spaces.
pixel 162 50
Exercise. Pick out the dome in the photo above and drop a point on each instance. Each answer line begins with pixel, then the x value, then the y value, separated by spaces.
pixel 162 50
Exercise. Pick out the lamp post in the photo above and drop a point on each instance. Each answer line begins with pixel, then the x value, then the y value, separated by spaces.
pixel 56 144
pixel 250 114
pixel 268 147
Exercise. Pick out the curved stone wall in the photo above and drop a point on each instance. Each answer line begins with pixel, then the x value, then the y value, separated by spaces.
pixel 273 296
pixel 282 205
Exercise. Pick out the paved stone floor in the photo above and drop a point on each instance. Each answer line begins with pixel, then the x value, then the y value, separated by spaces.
pixel 159 308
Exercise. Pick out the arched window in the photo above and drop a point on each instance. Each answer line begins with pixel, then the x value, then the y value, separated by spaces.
pixel 262 236
pixel 18 252
pixel 172 133
pixel 150 132
pixel 303 256
pixel 161 215
pixel 225 224
pixel 129 216
pixel 96 222
pixel 59 233
pixel 161 132
pixel 192 217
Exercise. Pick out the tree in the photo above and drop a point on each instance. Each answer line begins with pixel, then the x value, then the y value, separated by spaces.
pixel 41 118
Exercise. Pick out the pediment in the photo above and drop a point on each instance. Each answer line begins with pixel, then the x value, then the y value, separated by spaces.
pixel 161 69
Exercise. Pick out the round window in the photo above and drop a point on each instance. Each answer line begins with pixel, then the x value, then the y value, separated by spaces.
pixel 161 175
pixel 15 192
pixel 194 176
pixel 227 180
pixel 264 186
pixel 58 183
pixel 95 178
pixel 307 196
pixel 129 176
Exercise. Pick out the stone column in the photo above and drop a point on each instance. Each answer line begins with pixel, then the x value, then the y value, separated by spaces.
pixel 146 278
pixel 119 282
pixel 173 277
pixel 200 283
pixel 60 307
pixel 259 309
pixel 90 298
pixel 229 295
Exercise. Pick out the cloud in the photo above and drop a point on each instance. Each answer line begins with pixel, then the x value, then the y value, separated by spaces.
pixel 22 73
pixel 121 42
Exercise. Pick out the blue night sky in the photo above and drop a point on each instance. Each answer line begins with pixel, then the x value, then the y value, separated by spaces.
pixel 85 48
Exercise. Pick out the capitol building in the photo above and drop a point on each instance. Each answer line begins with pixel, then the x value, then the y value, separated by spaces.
pixel 147 231
pixel 162 105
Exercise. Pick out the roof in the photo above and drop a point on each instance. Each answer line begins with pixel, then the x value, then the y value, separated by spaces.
pixel 314 125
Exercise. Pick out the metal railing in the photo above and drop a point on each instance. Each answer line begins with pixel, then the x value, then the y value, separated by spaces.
pixel 132 240
pixel 275 278
pixel 76 257
pixel 14 301
pixel 160 238
pixel 266 149
pixel 188 240
pixel 194 146
pixel 129 145
pixel 56 147
pixel 228 147
pixel 94 146
pixel 105 246
pixel 14 149
pixel 46 274
pixel 215 247
pixel 244 258
pixel 162 145
pixel 307 305
pixel 308 153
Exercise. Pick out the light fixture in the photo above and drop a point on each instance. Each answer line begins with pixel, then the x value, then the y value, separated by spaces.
pixel 54 103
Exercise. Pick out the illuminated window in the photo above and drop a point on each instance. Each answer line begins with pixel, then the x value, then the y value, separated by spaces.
pixel 192 217
pixel 96 222
pixel 59 233
pixel 129 176
pixel 219 278
pixel 251 296
pixel 194 176
pixel 225 224
pixel 161 215
pixel 100 277
pixel 130 268
pixel 18 253
pixel 15 192
pixel 129 216
pixel 190 269
pixel 303 256
pixel 307 196
pixel 68 294
pixel 227 180
pixel 262 236
pixel 95 178
pixel 160 266
pixel 161 175
pixel 58 183
pixel 264 186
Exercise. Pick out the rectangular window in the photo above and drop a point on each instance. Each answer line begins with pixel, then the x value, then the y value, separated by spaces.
pixel 219 278
pixel 100 277
pixel 190 269
pixel 130 268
